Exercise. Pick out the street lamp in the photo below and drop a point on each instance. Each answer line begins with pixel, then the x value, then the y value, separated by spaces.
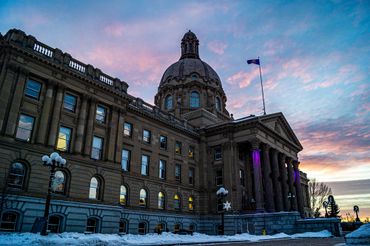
pixel 325 204
pixel 356 209
pixel 291 196
pixel 52 162
pixel 221 193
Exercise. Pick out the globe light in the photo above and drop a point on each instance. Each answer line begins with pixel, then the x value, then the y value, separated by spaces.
pixel 63 162
pixel 45 158
pixel 54 155
pixel 59 159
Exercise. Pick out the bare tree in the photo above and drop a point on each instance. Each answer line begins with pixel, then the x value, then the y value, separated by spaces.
pixel 318 193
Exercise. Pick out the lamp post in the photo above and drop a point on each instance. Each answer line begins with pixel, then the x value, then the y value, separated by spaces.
pixel 52 162
pixel 356 209
pixel 325 204
pixel 221 193
pixel 290 198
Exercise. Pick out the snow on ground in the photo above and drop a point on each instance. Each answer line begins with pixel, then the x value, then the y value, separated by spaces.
pixel 74 238
pixel 363 231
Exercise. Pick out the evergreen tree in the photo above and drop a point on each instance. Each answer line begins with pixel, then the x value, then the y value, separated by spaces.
pixel 333 208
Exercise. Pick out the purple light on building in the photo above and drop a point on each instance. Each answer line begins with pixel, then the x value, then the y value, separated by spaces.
pixel 256 158
pixel 296 176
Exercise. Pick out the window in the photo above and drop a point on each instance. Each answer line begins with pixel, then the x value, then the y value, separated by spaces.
pixel 191 152
pixel 178 172
pixel 59 182
pixel 142 228
pixel 54 224
pixel 218 104
pixel 241 176
pixel 125 162
pixel 161 200
pixel 192 227
pixel 92 225
pixel 100 114
pixel 163 142
pixel 33 89
pixel 194 100
pixel 144 165
pixel 176 227
pixel 123 195
pixel 162 169
pixel 178 147
pixel 191 203
pixel 70 102
pixel 143 198
pixel 122 226
pixel 25 127
pixel 176 202
pixel 94 191
pixel 9 221
pixel 191 176
pixel 147 135
pixel 168 102
pixel 17 175
pixel 219 180
pixel 218 153
pixel 160 227
pixel 127 129
pixel 97 147
pixel 64 138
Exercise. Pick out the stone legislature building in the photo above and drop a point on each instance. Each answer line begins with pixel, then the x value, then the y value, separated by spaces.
pixel 133 167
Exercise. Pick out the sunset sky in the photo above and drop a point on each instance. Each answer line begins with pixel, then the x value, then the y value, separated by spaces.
pixel 315 59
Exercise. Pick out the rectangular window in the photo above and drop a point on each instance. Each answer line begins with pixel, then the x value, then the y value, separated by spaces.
pixel 97 148
pixel 100 114
pixel 178 172
pixel 144 165
pixel 25 127
pixel 191 176
pixel 70 102
pixel 163 142
pixel 191 152
pixel 178 147
pixel 219 180
pixel 33 89
pixel 125 162
pixel 64 138
pixel 147 135
pixel 218 153
pixel 241 176
pixel 127 129
pixel 162 169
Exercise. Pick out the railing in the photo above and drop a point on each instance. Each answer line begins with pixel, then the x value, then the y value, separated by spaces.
pixel 77 66
pixel 40 48
pixel 106 80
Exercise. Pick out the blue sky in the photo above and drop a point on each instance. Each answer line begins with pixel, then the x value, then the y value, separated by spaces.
pixel 315 59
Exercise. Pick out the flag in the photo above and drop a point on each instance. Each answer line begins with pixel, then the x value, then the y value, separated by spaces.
pixel 254 61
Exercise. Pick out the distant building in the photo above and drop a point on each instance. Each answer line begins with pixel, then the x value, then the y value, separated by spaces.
pixel 133 167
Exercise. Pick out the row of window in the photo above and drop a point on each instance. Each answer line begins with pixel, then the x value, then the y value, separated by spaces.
pixel 10 221
pixel 194 101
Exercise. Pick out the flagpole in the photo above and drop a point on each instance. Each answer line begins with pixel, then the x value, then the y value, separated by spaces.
pixel 263 94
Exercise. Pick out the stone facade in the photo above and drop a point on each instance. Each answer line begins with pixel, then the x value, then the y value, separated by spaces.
pixel 132 165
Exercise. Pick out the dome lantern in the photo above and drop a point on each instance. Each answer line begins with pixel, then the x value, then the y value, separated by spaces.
pixel 189 46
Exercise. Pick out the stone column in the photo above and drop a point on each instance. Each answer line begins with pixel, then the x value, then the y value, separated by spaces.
pixel 45 114
pixel 229 181
pixel 15 103
pixel 257 176
pixel 56 116
pixel 299 193
pixel 119 139
pixel 279 205
pixel 269 195
pixel 90 127
pixel 291 180
pixel 112 133
pixel 284 181
pixel 80 133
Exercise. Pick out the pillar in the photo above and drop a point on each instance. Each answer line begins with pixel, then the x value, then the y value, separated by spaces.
pixel 269 194
pixel 112 133
pixel 228 173
pixel 80 133
pixel 257 176
pixel 56 116
pixel 299 192
pixel 284 181
pixel 119 138
pixel 90 127
pixel 45 114
pixel 279 205
pixel 6 91
pixel 291 180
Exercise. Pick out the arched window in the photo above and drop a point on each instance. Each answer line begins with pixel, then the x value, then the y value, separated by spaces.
pixel 177 203
pixel 194 100
pixel 160 227
pixel 191 203
pixel 9 221
pixel 17 175
pixel 92 225
pixel 59 182
pixel 161 200
pixel 192 227
pixel 123 195
pixel 218 104
pixel 143 198
pixel 142 228
pixel 123 226
pixel 176 227
pixel 55 223
pixel 168 102
pixel 95 186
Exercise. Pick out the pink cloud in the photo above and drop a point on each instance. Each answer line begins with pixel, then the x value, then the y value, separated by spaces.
pixel 217 47
pixel 114 29
pixel 243 79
